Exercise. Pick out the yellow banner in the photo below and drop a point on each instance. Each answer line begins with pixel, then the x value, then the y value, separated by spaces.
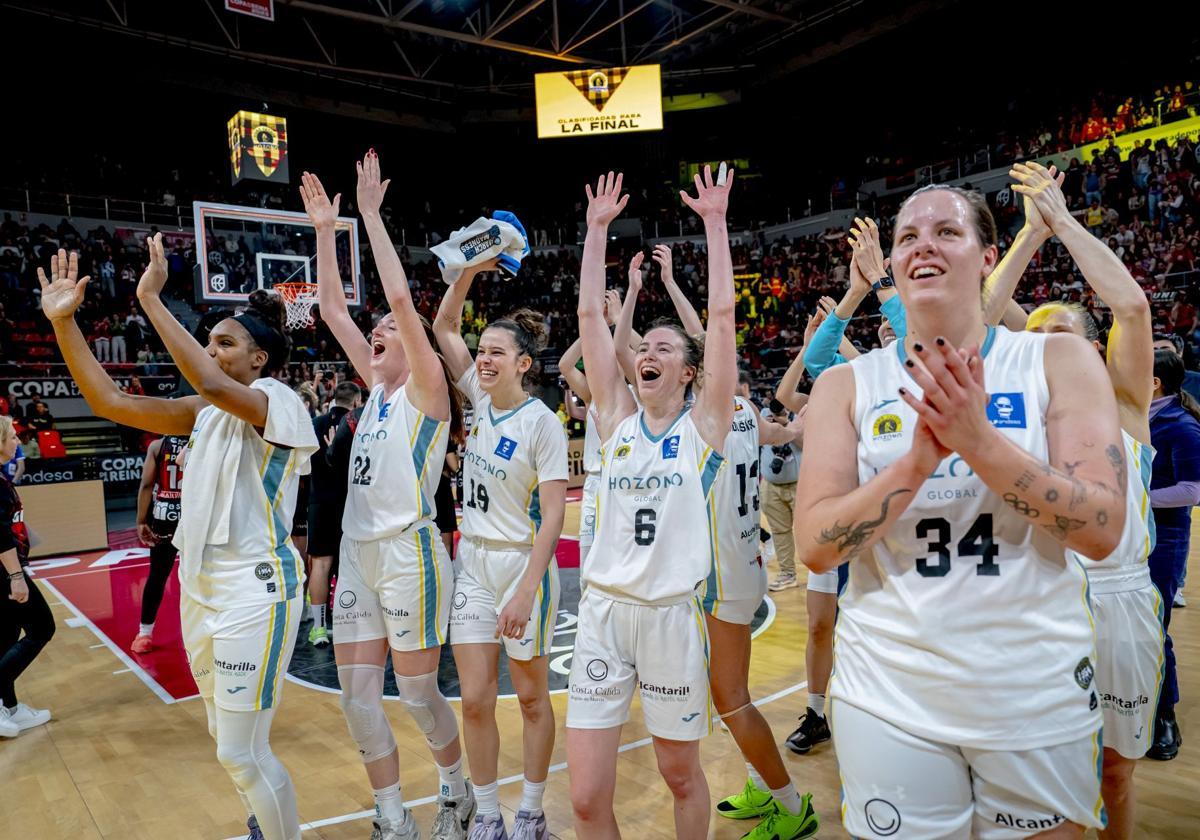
pixel 1171 132
pixel 258 145
pixel 606 100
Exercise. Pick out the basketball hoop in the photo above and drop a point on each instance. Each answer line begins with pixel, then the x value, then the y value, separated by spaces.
pixel 298 301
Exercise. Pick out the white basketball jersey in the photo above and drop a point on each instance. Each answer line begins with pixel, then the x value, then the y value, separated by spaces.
pixel 1137 537
pixel 591 442
pixel 738 572
pixel 966 624
pixel 258 564
pixel 395 465
pixel 509 453
pixel 655 523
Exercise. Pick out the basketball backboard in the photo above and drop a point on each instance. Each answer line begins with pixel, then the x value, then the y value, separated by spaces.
pixel 240 249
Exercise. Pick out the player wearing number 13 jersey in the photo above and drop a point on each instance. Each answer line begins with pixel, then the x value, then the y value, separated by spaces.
pixel 954 481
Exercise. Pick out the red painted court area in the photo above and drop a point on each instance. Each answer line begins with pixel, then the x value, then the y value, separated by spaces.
pixel 104 591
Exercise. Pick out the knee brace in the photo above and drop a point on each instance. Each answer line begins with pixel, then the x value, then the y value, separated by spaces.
pixel 428 708
pixel 362 704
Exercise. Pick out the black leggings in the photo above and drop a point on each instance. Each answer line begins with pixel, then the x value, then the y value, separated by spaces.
pixel 162 560
pixel 17 651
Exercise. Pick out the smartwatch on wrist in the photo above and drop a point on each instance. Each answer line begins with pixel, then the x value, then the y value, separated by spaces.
pixel 884 282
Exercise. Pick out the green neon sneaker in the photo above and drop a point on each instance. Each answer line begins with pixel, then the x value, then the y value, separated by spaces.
pixel 318 637
pixel 751 802
pixel 782 825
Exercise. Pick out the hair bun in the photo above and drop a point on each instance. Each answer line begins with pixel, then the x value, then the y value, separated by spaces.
pixel 268 306
pixel 533 323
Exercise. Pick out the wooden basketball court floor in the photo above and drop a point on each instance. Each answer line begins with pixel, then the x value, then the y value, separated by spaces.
pixel 118 762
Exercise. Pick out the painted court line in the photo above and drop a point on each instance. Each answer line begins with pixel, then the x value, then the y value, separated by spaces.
pixel 81 620
pixel 554 768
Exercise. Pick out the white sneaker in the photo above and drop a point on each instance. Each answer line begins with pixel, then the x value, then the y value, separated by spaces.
pixel 27 718
pixel 8 729
pixel 783 581
pixel 454 816
pixel 385 829
pixel 1180 601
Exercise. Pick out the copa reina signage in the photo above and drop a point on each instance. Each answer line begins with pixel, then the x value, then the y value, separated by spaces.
pixel 63 388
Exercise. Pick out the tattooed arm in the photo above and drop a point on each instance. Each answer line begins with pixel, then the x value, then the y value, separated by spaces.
pixel 1078 498
pixel 835 518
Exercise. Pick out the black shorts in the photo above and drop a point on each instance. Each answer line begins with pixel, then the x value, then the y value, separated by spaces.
pixel 324 530
pixel 443 500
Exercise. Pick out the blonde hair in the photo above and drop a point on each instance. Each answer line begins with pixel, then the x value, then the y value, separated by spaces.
pixel 6 427
pixel 1043 313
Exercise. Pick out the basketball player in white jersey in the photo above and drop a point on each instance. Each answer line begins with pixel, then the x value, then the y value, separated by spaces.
pixel 506 584
pixel 641 624
pixel 395 581
pixel 963 700
pixel 241 579
pixel 1129 638
pixel 736 585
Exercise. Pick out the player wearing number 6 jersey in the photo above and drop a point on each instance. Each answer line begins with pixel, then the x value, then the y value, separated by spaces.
pixel 736 584
pixel 506 587
pixel 641 623
pixel 395 581
pixel 963 701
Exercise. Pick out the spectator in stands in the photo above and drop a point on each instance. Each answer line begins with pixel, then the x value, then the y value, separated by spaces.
pixel 1183 316
pixel 40 419
pixel 117 329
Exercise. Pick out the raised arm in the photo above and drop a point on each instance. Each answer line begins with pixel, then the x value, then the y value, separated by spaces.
pixel 835 518
pixel 61 296
pixel 820 353
pixel 576 380
pixel 447 326
pixel 623 337
pixel 714 404
pixel 1131 339
pixel 198 368
pixel 331 295
pixel 788 389
pixel 610 396
pixel 683 307
pixel 426 387
pixel 575 404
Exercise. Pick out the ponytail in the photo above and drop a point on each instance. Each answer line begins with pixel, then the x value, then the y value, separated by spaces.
pixel 458 432
pixel 1169 370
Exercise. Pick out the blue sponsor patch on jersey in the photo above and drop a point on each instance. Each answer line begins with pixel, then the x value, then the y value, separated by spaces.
pixel 670 447
pixel 506 447
pixel 1007 411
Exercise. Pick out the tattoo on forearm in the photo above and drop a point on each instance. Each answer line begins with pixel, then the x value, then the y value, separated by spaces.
pixel 1051 495
pixel 1101 517
pixel 1063 525
pixel 1070 468
pixel 1026 479
pixel 853 536
pixel 1078 494
pixel 1117 458
pixel 1021 506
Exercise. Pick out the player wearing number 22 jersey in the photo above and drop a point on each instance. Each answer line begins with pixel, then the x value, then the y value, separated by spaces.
pixel 509 453
pixel 395 580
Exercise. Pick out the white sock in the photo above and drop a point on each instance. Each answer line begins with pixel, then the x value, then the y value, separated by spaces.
pixel 487 800
pixel 146 629
pixel 388 803
pixel 788 798
pixel 531 796
pixel 454 785
pixel 816 702
pixel 755 777
pixel 317 611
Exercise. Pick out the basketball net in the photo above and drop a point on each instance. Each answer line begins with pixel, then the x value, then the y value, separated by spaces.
pixel 298 301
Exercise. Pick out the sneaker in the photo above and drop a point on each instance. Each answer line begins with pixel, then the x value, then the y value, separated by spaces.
pixel 141 644
pixel 488 828
pixel 385 829
pixel 751 802
pixel 454 816
pixel 255 831
pixel 8 729
pixel 530 825
pixel 27 718
pixel 1167 738
pixel 1180 601
pixel 813 730
pixel 783 581
pixel 318 637
pixel 781 824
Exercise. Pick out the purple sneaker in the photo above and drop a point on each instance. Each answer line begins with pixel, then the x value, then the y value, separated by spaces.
pixel 530 825
pixel 488 828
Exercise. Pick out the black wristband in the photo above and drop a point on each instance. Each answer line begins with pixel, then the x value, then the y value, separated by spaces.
pixel 884 282
pixel 17 575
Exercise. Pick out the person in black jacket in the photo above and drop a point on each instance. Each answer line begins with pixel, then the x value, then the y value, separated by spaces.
pixel 22 607
pixel 326 502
